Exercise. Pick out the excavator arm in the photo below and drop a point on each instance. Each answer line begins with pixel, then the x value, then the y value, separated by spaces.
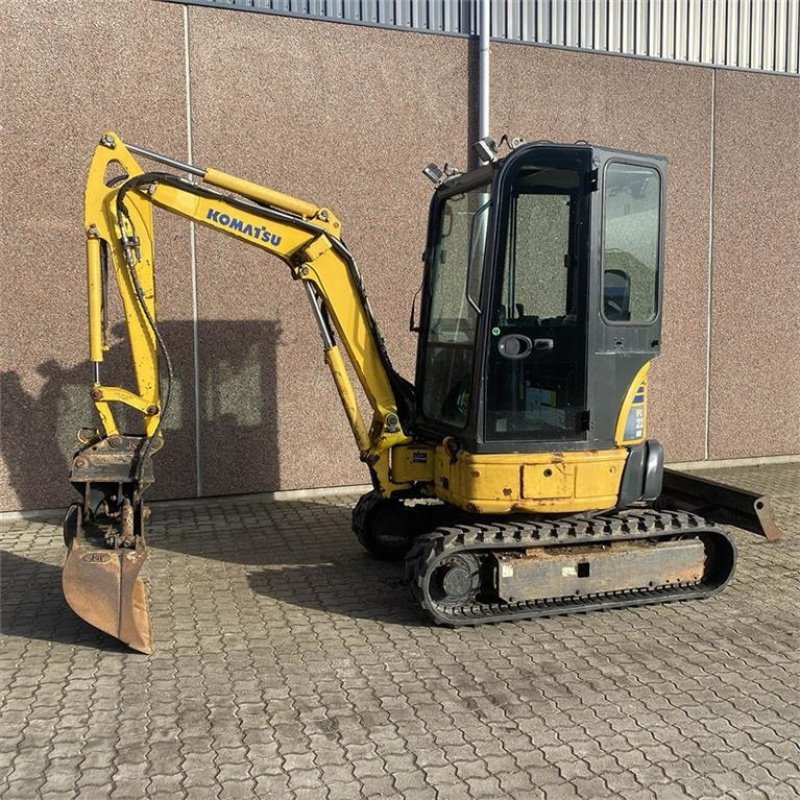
pixel 105 531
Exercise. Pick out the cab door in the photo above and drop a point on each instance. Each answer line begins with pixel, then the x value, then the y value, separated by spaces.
pixel 453 279
pixel 536 357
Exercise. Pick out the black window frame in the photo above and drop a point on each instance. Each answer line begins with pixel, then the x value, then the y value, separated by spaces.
pixel 482 442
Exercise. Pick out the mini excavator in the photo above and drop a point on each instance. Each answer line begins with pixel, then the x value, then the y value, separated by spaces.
pixel 514 477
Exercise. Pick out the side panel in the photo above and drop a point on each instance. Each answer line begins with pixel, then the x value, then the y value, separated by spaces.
pixel 552 483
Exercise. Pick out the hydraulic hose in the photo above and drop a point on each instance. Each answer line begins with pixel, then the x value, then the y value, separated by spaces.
pixel 122 214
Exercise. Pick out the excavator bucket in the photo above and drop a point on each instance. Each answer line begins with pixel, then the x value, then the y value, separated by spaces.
pixel 106 546
pixel 102 586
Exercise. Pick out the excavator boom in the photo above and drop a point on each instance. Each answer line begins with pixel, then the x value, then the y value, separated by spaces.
pixel 105 531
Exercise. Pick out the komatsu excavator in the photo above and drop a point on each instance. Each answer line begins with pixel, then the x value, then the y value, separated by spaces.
pixel 515 477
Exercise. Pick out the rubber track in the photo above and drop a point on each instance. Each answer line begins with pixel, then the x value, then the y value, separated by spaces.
pixel 363 507
pixel 522 534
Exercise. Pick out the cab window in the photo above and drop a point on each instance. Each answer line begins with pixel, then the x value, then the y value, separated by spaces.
pixel 631 235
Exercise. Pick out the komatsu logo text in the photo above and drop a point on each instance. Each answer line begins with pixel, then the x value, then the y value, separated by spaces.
pixel 258 233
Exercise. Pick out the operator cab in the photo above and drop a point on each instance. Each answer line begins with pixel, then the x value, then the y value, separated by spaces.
pixel 541 299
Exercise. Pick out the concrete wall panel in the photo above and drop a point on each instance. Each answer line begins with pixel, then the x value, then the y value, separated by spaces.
pixel 637 105
pixel 346 117
pixel 71 70
pixel 755 358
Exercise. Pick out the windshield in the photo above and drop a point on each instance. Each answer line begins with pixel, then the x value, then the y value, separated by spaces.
pixel 454 284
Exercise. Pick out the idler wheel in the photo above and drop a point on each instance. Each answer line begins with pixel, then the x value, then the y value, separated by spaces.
pixel 456 580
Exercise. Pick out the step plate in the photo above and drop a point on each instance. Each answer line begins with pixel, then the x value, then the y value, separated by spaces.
pixel 545 573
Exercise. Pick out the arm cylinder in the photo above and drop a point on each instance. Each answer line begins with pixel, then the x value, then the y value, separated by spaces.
pixel 248 189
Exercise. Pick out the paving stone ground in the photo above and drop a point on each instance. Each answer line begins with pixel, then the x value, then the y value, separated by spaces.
pixel 291 665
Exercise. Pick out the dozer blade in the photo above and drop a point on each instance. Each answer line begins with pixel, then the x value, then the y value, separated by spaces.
pixel 102 584
pixel 719 502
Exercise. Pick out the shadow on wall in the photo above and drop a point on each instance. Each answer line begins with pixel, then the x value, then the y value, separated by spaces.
pixel 237 412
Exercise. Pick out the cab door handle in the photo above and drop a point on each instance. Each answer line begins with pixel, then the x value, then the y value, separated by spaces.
pixel 514 346
pixel 543 344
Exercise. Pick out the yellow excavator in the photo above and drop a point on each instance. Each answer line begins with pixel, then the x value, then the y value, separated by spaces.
pixel 514 476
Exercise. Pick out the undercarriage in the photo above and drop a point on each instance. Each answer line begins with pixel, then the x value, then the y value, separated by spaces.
pixel 513 569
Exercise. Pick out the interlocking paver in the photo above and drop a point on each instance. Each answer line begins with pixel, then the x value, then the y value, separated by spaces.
pixel 290 665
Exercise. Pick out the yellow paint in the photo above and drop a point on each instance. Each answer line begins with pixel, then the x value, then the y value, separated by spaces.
pixel 337 285
pixel 107 419
pixel 333 358
pixel 316 248
pixel 548 481
pixel 413 463
pixel 114 394
pixel 552 483
pixel 95 292
pixel 639 380
pixel 305 245
pixel 100 222
pixel 252 190
pixel 213 213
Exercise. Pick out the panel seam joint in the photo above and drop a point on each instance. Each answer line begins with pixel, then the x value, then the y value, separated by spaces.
pixel 193 263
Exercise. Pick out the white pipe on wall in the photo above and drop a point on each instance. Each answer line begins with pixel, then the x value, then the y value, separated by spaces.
pixel 483 67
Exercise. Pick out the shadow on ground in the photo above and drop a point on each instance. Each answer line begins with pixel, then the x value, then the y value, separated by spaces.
pixel 358 587
pixel 296 554
pixel 301 553
pixel 33 607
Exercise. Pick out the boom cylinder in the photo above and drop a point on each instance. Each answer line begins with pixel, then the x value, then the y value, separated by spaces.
pixel 223 180
pixel 335 362
pixel 95 289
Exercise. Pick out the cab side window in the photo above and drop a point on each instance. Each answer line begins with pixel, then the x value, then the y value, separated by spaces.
pixel 631 235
